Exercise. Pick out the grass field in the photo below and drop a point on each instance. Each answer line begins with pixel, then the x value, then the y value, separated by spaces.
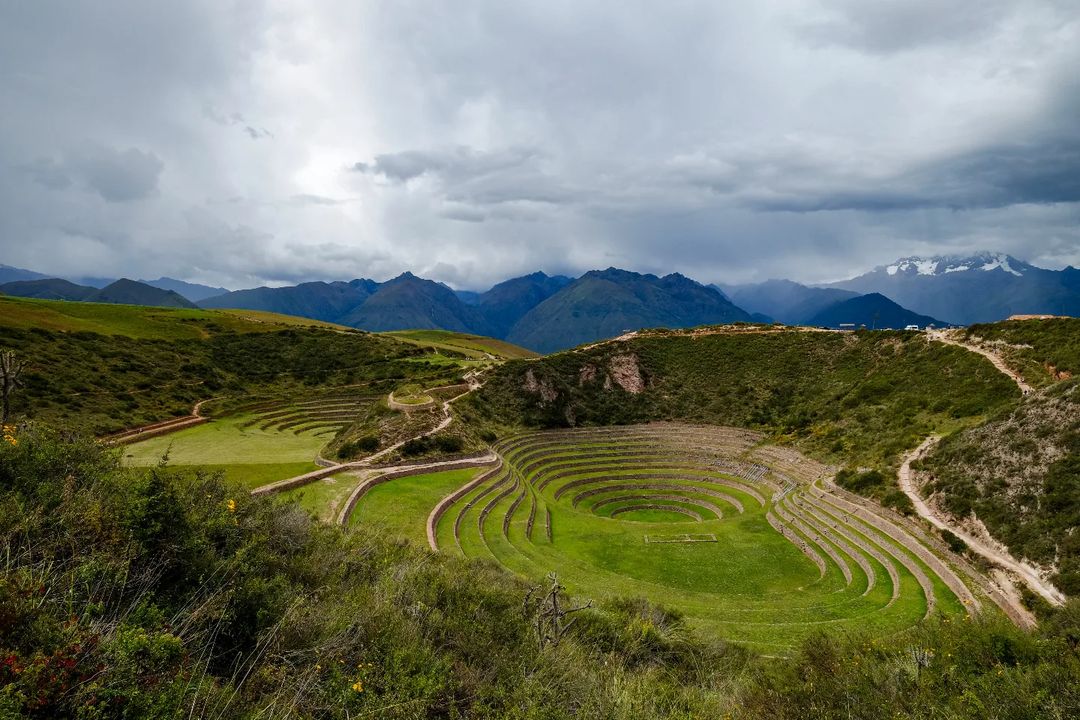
pixel 472 346
pixel 141 322
pixel 776 558
pixel 323 498
pixel 247 453
pixel 401 506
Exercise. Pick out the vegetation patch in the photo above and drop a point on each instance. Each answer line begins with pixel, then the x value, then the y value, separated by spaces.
pixel 400 507
pixel 1018 473
pixel 859 398
pixel 323 498
pixel 1043 351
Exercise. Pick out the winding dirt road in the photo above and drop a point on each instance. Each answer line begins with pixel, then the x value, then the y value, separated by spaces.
pixel 999 557
pixel 942 336
pixel 329 468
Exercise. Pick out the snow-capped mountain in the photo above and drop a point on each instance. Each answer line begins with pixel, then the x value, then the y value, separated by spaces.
pixel 944 264
pixel 982 287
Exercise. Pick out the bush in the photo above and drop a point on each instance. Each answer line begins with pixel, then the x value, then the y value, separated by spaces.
pixel 449 443
pixel 955 543
pixel 416 446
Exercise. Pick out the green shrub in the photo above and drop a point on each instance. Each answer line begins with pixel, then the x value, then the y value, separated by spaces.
pixel 955 543
pixel 363 445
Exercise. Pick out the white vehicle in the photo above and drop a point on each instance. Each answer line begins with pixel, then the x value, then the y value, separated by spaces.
pixel 911 327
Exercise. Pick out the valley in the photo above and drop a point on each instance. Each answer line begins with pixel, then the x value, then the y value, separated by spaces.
pixel 540 361
pixel 673 479
pixel 652 480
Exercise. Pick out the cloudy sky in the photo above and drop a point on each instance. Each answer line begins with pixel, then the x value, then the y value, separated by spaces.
pixel 241 143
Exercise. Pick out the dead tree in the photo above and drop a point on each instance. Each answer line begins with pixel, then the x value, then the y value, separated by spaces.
pixel 544 611
pixel 922 658
pixel 11 368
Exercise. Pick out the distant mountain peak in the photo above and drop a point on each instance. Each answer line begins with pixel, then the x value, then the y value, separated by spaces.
pixel 943 264
pixel 617 274
pixel 973 287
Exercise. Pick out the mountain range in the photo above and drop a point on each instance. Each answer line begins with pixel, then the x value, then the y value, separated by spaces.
pixel 873 311
pixel 553 312
pixel 538 311
pixel 786 301
pixel 122 292
pixel 983 287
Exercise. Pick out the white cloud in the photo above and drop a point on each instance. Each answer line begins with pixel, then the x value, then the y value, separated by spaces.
pixel 243 143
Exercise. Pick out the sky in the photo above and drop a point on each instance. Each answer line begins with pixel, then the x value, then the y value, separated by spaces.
pixel 248 143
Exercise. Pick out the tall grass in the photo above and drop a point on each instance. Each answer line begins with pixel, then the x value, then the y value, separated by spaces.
pixel 156 594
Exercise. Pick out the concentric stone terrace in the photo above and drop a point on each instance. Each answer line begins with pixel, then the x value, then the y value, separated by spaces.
pixel 320 416
pixel 746 539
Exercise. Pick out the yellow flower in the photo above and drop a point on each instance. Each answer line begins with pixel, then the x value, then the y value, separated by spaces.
pixel 358 686
pixel 231 505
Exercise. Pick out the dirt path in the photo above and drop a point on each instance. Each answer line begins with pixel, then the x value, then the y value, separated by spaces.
pixel 942 336
pixel 998 557
pixel 159 428
pixel 331 468
pixel 1001 558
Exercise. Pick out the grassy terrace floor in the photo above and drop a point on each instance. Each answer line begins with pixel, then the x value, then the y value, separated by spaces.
pixel 788 558
pixel 400 507
pixel 323 498
pixel 247 453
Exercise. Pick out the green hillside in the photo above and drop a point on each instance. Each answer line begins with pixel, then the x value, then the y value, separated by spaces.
pixel 82 376
pixel 136 321
pixel 472 346
pixel 1042 350
pixel 1020 474
pixel 848 398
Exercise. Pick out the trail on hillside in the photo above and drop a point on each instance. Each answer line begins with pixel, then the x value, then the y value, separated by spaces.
pixel 700 332
pixel 1001 558
pixel 943 337
pixel 144 432
pixel 330 468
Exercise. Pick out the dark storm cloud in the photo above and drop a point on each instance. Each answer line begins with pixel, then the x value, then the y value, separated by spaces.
pixel 115 175
pixel 237 142
pixel 890 26
pixel 455 165
pixel 990 177
pixel 1039 166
